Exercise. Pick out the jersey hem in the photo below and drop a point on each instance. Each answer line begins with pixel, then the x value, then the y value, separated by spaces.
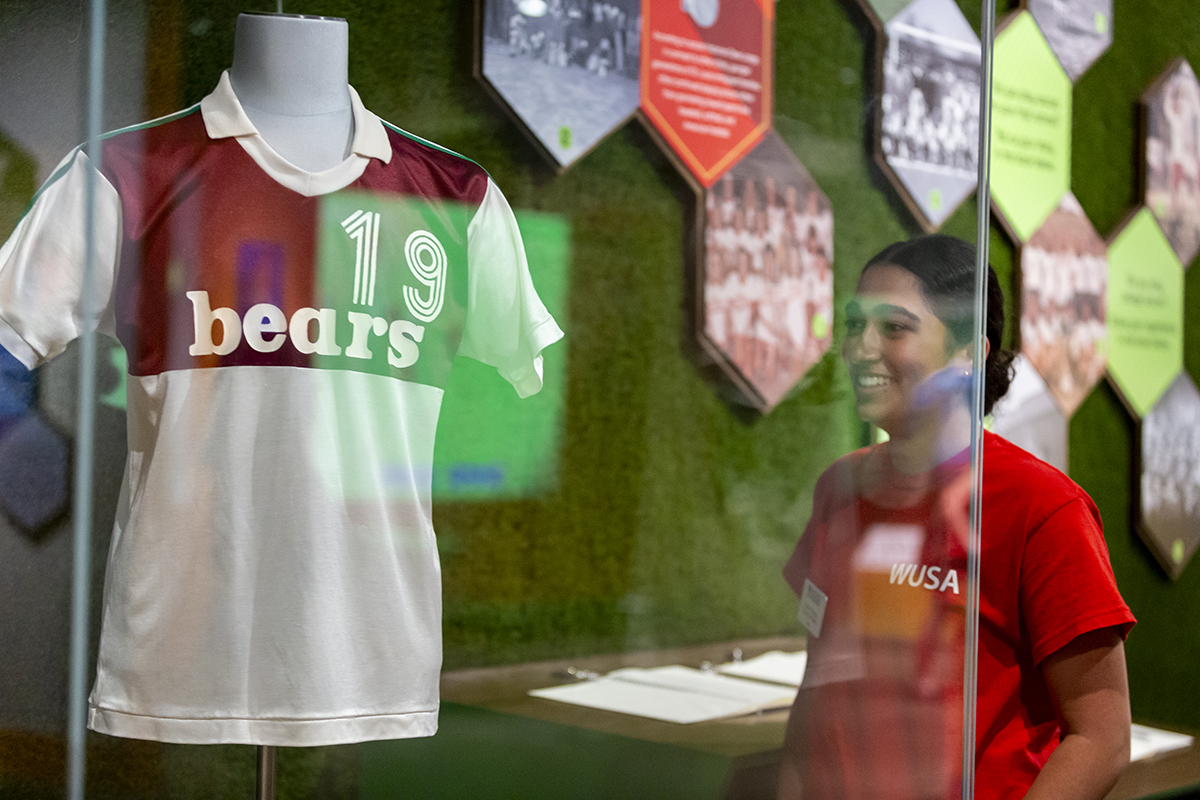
pixel 273 732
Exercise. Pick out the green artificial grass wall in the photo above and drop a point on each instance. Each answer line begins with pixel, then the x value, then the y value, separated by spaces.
pixel 1163 651
pixel 671 516
pixel 671 512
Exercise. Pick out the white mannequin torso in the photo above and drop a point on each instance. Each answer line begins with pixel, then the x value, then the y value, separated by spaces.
pixel 289 73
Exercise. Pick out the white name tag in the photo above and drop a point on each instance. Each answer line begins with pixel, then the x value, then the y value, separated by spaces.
pixel 812 607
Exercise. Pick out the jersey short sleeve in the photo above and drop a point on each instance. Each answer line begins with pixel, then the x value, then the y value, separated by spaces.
pixel 507 325
pixel 41 275
pixel 1067 583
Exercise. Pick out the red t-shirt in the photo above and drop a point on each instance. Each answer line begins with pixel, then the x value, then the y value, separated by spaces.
pixel 881 705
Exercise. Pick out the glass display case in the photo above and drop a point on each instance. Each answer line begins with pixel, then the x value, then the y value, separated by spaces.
pixel 588 403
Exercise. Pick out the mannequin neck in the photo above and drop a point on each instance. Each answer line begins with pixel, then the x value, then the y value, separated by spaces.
pixel 289 64
pixel 289 74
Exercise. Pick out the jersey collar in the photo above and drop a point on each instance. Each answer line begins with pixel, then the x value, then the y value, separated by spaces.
pixel 224 118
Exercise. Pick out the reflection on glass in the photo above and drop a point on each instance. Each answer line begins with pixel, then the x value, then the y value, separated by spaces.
pixel 490 443
pixel 881 567
pixel 881 574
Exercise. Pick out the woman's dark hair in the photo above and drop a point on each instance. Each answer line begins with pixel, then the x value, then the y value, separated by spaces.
pixel 945 268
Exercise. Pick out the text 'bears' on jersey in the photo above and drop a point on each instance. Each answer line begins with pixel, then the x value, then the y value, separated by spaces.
pixel 265 328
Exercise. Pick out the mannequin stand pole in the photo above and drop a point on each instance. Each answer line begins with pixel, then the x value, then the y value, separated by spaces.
pixel 265 787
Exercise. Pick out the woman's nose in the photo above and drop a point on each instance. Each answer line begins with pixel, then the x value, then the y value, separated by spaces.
pixel 866 347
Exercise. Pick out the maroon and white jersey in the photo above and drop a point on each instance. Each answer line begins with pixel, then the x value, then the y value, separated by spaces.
pixel 273 576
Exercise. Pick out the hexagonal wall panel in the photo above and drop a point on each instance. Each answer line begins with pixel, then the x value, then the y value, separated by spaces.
pixel 1172 187
pixel 708 71
pixel 767 287
pixel 929 117
pixel 568 72
pixel 1170 480
pixel 882 11
pixel 33 474
pixel 1029 417
pixel 1031 128
pixel 1078 31
pixel 1064 285
pixel 1145 312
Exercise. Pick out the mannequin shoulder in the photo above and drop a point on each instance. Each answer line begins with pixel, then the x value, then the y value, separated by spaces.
pixel 440 169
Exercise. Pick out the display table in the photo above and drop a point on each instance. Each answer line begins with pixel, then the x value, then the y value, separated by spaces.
pixel 1175 774
pixel 506 689
pixel 497 741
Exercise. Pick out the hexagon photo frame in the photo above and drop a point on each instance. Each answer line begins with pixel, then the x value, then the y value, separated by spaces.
pixel 1169 483
pixel 927 126
pixel 1171 173
pixel 1145 313
pixel 567 73
pixel 765 294
pixel 1030 417
pixel 707 82
pixel 1064 288
pixel 1031 128
pixel 1078 32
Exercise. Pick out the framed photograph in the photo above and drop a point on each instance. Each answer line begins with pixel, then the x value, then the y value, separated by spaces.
pixel 1030 417
pixel 766 287
pixel 1079 31
pixel 927 130
pixel 1169 480
pixel 565 70
pixel 1171 110
pixel 1064 304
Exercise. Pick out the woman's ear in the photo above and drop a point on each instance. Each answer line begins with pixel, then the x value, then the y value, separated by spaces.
pixel 966 355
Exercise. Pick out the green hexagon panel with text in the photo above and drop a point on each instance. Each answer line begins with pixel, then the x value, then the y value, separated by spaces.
pixel 1145 312
pixel 1031 127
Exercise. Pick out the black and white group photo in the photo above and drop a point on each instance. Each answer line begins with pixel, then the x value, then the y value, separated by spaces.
pixel 568 68
pixel 768 293
pixel 929 127
pixel 1078 31
pixel 1170 488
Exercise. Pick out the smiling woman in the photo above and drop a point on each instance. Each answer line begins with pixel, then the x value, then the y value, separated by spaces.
pixel 881 572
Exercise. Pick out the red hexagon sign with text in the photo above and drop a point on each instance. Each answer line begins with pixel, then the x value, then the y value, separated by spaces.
pixel 706 78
